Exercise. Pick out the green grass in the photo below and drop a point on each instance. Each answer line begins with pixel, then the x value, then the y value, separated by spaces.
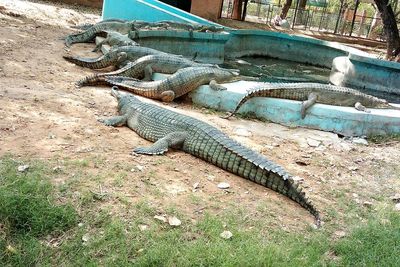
pixel 31 215
pixel 28 211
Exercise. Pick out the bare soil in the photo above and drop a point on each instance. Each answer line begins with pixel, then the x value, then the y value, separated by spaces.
pixel 42 115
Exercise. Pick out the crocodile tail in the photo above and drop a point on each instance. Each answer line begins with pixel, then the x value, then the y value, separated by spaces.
pixel 94 79
pixel 94 63
pixel 257 91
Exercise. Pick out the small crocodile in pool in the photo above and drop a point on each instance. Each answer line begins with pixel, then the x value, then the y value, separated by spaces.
pixel 311 93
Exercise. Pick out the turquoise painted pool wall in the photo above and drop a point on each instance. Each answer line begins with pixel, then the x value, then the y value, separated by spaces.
pixel 148 10
pixel 202 46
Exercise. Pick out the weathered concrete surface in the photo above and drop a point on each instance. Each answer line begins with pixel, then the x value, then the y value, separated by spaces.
pixel 204 47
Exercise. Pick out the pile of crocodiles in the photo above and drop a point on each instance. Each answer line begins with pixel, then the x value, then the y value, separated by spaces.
pixel 134 67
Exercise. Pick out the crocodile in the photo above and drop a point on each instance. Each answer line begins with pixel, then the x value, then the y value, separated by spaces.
pixel 115 39
pixel 143 68
pixel 169 129
pixel 118 56
pixel 86 26
pixel 311 93
pixel 178 84
pixel 88 35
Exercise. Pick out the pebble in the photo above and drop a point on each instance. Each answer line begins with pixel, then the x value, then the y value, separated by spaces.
pixel 23 168
pixel 313 142
pixel 196 185
pixel 140 167
pixel 397 207
pixel 359 141
pixel 223 185
pixel 143 227
pixel 226 235
pixel 395 198
pixel 242 132
pixel 173 221
pixel 160 218
pixel 367 204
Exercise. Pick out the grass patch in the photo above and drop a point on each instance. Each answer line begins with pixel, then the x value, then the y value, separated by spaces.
pixel 375 244
pixel 105 237
pixel 28 212
pixel 382 139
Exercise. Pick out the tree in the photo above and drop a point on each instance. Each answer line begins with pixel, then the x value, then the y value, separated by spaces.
pixel 285 9
pixel 390 28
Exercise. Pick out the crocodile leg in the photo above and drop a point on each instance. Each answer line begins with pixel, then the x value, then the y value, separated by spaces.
pixel 360 107
pixel 98 46
pixel 115 121
pixel 312 98
pixel 168 96
pixel 148 73
pixel 216 86
pixel 161 146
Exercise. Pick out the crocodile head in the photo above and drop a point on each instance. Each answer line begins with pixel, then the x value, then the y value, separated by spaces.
pixel 124 100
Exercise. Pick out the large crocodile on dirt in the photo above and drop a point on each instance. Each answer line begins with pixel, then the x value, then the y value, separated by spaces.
pixel 119 57
pixel 182 82
pixel 170 129
pixel 143 68
pixel 311 93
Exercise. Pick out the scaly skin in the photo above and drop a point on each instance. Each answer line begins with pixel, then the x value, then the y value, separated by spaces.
pixel 157 63
pixel 170 129
pixel 89 34
pixel 86 26
pixel 115 57
pixel 323 93
pixel 176 85
pixel 115 39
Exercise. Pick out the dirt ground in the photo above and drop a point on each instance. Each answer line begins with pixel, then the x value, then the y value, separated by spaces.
pixel 42 115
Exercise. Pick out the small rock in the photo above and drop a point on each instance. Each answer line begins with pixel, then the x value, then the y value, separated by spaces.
pixel 57 169
pixel 226 235
pixel 173 221
pixel 397 207
pixel 367 204
pixel 23 168
pixel 355 195
pixel 140 167
pixel 80 224
pixel 242 132
pixel 85 238
pixel 160 218
pixel 223 185
pixel 298 179
pixel 176 169
pixel 354 168
pixel 395 198
pixel 313 142
pixel 196 185
pixel 143 227
pixel 340 234
pixel 360 141
pixel 210 177
pixel 302 162
pixel 51 136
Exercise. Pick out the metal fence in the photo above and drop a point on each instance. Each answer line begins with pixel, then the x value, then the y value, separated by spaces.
pixel 342 22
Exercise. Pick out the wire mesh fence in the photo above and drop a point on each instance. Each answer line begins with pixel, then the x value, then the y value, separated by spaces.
pixel 342 21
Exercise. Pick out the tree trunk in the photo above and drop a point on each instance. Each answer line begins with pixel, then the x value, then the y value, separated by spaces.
pixel 244 9
pixel 285 8
pixel 390 28
pixel 237 9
